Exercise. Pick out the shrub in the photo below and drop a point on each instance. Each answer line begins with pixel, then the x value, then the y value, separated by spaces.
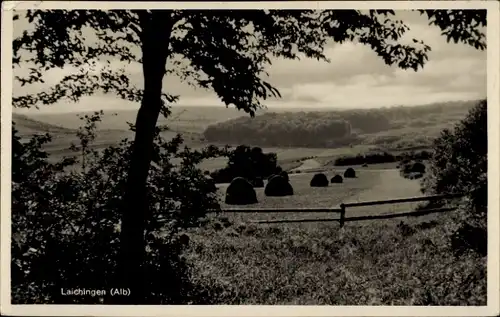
pixel 240 192
pixel 248 163
pixel 418 167
pixel 65 224
pixel 406 168
pixel 210 183
pixel 278 186
pixel 337 179
pixel 459 164
pixel 413 175
pixel 350 173
pixel 284 174
pixel 319 180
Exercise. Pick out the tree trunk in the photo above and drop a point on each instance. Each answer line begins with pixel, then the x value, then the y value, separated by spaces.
pixel 156 30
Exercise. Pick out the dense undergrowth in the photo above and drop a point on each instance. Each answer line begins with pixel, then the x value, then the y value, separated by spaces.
pixel 388 262
pixel 65 223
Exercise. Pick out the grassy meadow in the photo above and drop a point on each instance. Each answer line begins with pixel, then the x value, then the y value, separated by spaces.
pixel 403 261
pixel 371 263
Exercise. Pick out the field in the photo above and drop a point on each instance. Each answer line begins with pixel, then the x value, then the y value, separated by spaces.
pixel 372 263
pixel 405 261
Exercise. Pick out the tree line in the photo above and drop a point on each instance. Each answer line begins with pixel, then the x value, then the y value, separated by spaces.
pixel 382 157
pixel 250 163
pixel 321 128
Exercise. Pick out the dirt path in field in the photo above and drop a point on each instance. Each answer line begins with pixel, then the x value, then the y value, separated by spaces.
pixel 307 165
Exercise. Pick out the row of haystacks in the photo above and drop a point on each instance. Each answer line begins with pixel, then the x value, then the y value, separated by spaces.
pixel 321 180
pixel 242 192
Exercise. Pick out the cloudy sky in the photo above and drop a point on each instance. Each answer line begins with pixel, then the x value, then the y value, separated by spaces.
pixel 355 78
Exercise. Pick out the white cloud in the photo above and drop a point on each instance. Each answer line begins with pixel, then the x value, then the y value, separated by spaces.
pixel 356 77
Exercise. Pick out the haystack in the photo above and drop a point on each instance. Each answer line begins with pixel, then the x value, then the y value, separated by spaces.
pixel 278 186
pixel 337 179
pixel 240 192
pixel 319 180
pixel 350 173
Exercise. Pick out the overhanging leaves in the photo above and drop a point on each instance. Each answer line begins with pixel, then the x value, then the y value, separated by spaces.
pixel 226 51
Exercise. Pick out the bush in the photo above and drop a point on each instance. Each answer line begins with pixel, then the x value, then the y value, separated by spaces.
pixel 459 164
pixel 248 163
pixel 240 192
pixel 211 183
pixel 319 180
pixel 413 175
pixel 337 179
pixel 65 224
pixel 418 167
pixel 350 173
pixel 412 170
pixel 278 186
pixel 380 157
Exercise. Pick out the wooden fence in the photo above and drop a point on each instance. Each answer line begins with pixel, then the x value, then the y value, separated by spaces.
pixel 343 207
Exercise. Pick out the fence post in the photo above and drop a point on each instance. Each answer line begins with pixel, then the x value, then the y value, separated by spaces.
pixel 342 214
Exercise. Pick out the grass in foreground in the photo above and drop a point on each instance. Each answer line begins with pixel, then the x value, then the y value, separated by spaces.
pixel 372 263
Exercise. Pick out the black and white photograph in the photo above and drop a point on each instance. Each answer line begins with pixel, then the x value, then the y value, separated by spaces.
pixel 294 154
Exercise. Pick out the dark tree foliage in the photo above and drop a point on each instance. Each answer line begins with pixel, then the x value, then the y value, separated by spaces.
pixel 459 164
pixel 249 163
pixel 66 229
pixel 327 128
pixel 381 157
pixel 311 129
pixel 226 51
pixel 459 161
pixel 460 26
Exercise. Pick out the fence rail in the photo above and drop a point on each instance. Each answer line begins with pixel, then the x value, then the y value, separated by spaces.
pixel 387 216
pixel 402 200
pixel 344 206
pixel 284 210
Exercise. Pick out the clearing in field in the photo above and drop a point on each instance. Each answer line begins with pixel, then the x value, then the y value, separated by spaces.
pixel 370 184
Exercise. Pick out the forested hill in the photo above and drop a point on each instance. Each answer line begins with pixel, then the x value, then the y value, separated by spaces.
pixel 28 126
pixel 334 128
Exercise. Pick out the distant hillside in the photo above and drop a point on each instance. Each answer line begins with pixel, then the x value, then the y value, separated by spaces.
pixel 382 126
pixel 186 119
pixel 28 126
